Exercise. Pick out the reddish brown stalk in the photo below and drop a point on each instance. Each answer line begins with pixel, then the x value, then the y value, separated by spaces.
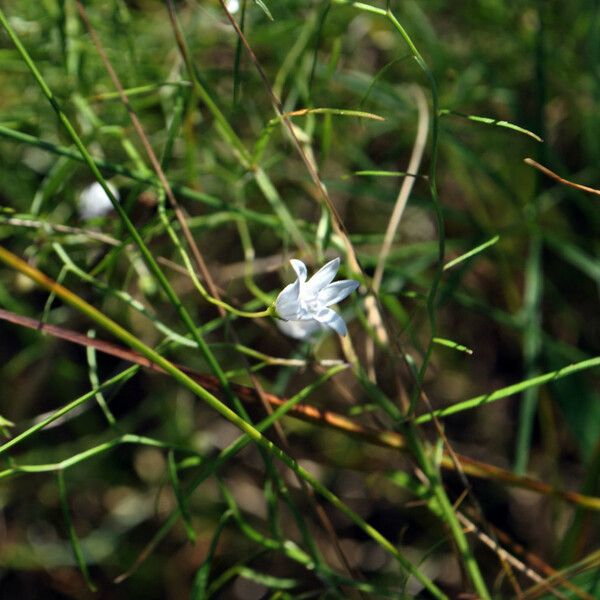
pixel 312 414
pixel 546 171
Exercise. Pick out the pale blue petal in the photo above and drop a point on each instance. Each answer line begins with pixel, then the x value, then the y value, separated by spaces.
pixel 323 277
pixel 299 330
pixel 303 312
pixel 287 305
pixel 329 317
pixel 300 269
pixel 337 291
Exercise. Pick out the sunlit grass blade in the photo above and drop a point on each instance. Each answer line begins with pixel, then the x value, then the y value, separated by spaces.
pixel 264 8
pixel 451 344
pixel 95 381
pixel 491 121
pixel 471 253
pixel 141 90
pixel 271 582
pixel 510 390
pixel 376 173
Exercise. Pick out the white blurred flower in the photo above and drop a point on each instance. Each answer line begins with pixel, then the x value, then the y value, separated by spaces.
pixel 305 304
pixel 232 6
pixel 94 201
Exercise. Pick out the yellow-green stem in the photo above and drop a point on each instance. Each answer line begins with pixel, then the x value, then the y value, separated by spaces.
pixel 125 336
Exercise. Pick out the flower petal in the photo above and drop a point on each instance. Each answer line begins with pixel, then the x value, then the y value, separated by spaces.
pixel 329 317
pixel 299 330
pixel 337 291
pixel 287 304
pixel 94 202
pixel 323 277
pixel 300 269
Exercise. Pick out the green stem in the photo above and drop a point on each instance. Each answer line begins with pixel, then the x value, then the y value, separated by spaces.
pixel 76 459
pixel 192 274
pixel 123 376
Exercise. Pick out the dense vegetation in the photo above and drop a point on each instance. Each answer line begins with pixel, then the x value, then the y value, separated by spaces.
pixel 140 357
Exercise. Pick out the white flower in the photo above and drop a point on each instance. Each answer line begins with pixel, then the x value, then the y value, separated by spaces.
pixel 94 201
pixel 305 304
pixel 232 6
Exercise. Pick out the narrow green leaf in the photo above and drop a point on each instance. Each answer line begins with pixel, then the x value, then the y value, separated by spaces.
pixel 139 90
pixel 5 422
pixel 95 380
pixel 532 345
pixel 510 390
pixel 264 8
pixel 490 121
pixel 248 530
pixel 451 344
pixel 270 581
pixel 324 230
pixel 376 173
pixel 471 253
pixel 379 75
